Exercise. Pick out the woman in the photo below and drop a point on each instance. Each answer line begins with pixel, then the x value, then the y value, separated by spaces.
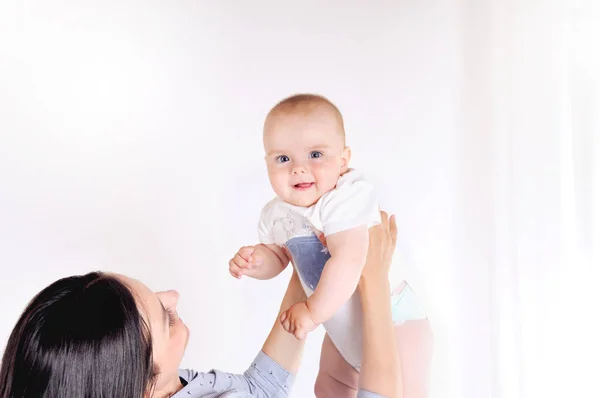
pixel 106 335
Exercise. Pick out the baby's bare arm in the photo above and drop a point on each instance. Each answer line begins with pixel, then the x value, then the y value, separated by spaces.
pixel 268 261
pixel 341 274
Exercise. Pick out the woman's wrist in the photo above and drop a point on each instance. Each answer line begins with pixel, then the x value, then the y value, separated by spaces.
pixel 374 293
pixel 380 365
pixel 373 282
pixel 281 346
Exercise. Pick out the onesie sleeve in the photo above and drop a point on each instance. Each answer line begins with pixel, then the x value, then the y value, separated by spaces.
pixel 265 224
pixel 352 203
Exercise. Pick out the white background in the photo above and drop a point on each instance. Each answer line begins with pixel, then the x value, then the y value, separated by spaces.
pixel 130 141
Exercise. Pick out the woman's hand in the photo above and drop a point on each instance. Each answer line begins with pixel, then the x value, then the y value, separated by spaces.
pixel 382 243
pixel 380 371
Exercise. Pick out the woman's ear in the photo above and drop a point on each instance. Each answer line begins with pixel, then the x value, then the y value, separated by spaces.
pixel 346 153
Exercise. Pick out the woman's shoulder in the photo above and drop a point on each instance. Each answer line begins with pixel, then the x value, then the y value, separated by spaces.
pixel 198 385
pixel 267 378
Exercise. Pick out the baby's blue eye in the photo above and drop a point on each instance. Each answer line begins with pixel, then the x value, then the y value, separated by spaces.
pixel 315 154
pixel 283 159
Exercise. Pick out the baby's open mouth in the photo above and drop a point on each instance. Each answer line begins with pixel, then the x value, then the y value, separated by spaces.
pixel 304 185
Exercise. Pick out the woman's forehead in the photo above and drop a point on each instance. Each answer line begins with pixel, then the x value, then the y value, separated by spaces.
pixel 148 304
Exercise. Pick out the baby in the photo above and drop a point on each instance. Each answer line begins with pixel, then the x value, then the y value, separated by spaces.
pixel 319 221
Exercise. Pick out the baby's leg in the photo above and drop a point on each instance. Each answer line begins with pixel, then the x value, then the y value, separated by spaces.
pixel 336 378
pixel 415 346
pixel 414 339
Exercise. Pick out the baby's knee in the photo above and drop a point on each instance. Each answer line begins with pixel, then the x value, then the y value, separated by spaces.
pixel 323 385
pixel 319 390
pixel 327 386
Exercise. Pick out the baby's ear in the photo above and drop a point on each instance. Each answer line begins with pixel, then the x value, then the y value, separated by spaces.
pixel 346 153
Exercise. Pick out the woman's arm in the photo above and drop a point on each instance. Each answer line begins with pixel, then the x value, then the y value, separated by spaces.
pixel 272 373
pixel 380 369
pixel 281 346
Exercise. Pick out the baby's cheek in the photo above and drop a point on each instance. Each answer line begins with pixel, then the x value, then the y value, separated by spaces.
pixel 328 172
pixel 278 182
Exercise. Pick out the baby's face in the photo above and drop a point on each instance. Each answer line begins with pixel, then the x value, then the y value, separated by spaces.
pixel 305 155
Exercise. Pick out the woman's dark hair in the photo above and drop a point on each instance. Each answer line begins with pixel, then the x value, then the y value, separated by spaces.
pixel 82 336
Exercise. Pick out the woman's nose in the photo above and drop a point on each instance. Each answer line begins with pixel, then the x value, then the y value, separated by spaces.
pixel 171 297
pixel 174 297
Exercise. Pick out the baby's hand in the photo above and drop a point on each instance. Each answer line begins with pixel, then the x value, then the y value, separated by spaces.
pixel 245 260
pixel 297 321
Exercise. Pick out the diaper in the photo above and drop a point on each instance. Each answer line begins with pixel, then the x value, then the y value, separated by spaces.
pixel 406 306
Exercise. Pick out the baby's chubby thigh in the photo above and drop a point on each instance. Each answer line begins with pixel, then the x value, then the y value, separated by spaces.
pixel 336 377
pixel 342 348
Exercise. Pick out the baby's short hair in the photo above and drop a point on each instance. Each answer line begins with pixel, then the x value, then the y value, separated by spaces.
pixel 306 104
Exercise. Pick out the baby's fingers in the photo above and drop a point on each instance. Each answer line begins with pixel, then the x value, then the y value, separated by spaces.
pixel 285 321
pixel 245 252
pixel 299 334
pixel 240 262
pixel 255 260
pixel 234 270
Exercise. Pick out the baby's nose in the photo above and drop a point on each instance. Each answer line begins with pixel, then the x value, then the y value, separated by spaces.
pixel 299 170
